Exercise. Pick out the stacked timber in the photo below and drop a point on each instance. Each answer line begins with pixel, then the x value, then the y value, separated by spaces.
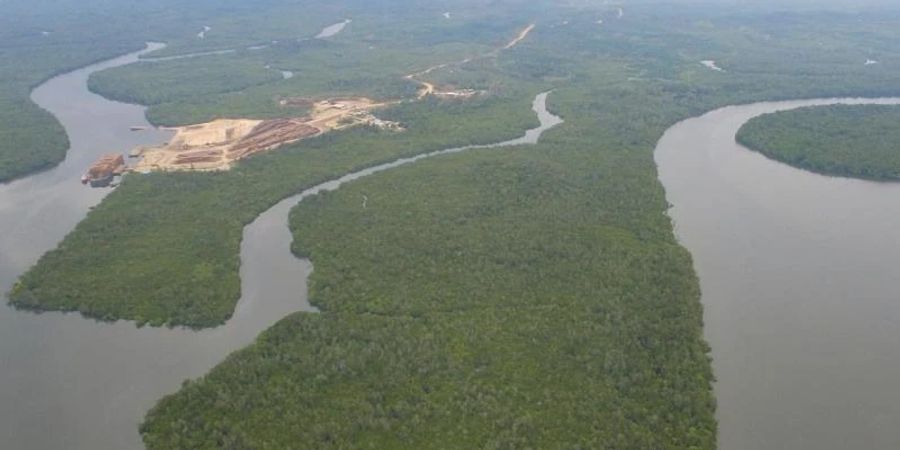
pixel 270 134
pixel 199 156
pixel 102 172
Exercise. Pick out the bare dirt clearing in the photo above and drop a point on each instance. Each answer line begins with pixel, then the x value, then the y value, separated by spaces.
pixel 216 145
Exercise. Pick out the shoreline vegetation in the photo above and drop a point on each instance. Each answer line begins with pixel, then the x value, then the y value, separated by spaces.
pixel 40 43
pixel 841 140
pixel 204 245
pixel 31 139
pixel 171 240
pixel 449 321
pixel 526 297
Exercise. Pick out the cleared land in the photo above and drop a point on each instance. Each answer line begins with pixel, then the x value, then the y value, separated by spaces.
pixel 172 239
pixel 218 144
pixel 852 141
pixel 168 284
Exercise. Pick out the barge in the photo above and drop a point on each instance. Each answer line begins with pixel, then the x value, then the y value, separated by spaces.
pixel 104 170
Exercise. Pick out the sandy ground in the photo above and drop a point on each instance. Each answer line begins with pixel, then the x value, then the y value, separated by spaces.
pixel 216 145
pixel 212 138
pixel 426 88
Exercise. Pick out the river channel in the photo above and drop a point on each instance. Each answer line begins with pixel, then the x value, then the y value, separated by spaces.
pixel 67 382
pixel 799 274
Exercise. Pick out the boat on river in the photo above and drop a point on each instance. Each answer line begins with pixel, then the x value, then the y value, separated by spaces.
pixel 104 170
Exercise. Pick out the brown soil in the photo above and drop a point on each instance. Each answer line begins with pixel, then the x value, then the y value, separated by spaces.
pixel 216 145
pixel 271 134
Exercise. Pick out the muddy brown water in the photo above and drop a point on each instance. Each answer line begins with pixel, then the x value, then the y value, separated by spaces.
pixel 72 383
pixel 799 274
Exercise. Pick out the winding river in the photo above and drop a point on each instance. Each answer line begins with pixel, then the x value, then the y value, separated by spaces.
pixel 799 274
pixel 71 383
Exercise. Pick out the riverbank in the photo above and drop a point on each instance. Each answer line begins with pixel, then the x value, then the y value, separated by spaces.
pixel 44 354
pixel 838 140
pixel 596 171
pixel 194 234
pixel 32 140
pixel 136 366
pixel 797 272
pixel 493 281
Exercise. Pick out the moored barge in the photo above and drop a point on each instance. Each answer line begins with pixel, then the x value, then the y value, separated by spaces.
pixel 104 170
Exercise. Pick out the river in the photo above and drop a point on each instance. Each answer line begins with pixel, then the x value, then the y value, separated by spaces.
pixel 799 274
pixel 72 383
pixel 333 30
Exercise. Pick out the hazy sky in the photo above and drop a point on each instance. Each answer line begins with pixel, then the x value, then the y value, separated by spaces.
pixel 777 4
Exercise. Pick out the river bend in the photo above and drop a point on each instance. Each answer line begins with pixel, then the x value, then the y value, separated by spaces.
pixel 799 277
pixel 72 383
pixel 798 274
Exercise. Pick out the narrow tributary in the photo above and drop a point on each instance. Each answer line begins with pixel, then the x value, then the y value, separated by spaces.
pixel 72 383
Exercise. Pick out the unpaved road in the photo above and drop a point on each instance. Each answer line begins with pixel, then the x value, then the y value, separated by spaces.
pixel 522 35
pixel 427 88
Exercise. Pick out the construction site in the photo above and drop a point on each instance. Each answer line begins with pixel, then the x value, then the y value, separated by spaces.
pixel 216 145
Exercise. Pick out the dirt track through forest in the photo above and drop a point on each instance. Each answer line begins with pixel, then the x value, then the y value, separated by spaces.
pixel 429 88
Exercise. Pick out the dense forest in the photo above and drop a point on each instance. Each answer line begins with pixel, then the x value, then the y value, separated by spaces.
pixel 30 138
pixel 852 141
pixel 494 299
pixel 38 42
pixel 355 62
pixel 529 297
pixel 468 282
pixel 175 82
pixel 170 242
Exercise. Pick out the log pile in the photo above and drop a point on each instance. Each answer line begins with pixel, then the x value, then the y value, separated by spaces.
pixel 111 164
pixel 199 156
pixel 270 134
